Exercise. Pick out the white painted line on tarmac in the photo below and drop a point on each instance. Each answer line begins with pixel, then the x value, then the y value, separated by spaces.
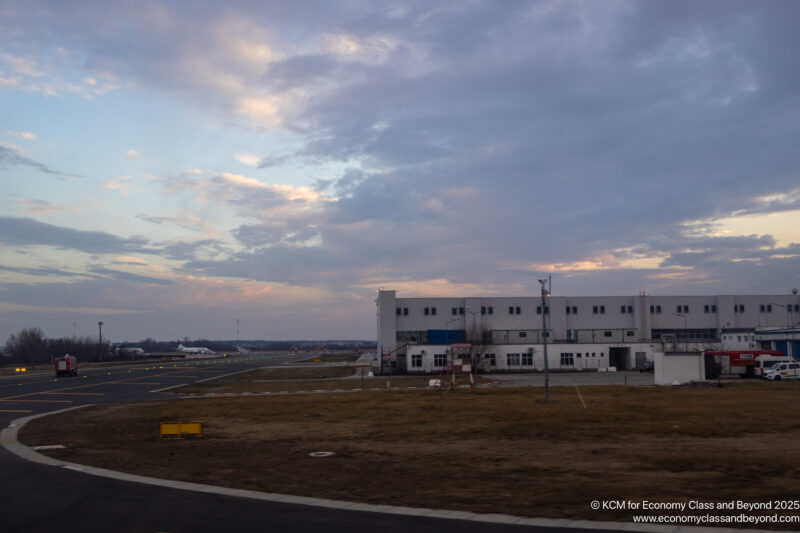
pixel 8 439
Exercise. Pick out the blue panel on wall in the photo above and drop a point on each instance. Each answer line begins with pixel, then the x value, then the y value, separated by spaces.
pixel 446 336
pixel 781 345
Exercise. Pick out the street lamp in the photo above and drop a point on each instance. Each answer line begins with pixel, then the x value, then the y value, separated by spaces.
pixel 545 294
pixel 685 332
pixel 100 325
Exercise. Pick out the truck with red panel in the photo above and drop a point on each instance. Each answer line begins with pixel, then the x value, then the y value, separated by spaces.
pixel 741 362
pixel 66 365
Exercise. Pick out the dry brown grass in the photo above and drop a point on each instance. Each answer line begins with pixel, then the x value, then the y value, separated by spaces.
pixel 498 450
pixel 307 379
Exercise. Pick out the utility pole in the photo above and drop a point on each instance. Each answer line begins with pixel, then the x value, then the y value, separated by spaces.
pixel 100 326
pixel 545 294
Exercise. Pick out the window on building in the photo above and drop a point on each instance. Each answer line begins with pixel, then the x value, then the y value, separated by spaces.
pixel 567 309
pixel 510 310
pixel 527 359
pixel 405 311
pixel 622 309
pixel 439 359
pixel 460 310
pixel 483 309
pixel 595 309
pixel 574 310
pixel 453 310
pixel 523 333
pixel 630 309
pixel 518 310
pixel 741 308
pixel 491 309
pixel 713 308
pixel 567 359
pixel 416 360
pixel 602 309
pixel 763 308
pixel 769 308
pixel 491 359
pixel 398 311
pixel 433 310
pixel 629 334
pixel 512 359
pixel 796 308
pixel 578 355
pixel 427 311
pixel 658 309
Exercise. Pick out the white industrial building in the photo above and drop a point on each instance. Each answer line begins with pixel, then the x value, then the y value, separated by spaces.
pixel 583 332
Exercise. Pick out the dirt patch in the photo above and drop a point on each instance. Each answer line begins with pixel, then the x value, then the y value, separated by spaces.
pixel 488 450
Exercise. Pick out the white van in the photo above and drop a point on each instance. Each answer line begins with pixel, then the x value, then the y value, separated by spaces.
pixel 780 371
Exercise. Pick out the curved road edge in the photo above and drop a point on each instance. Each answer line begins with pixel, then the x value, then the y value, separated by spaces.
pixel 9 440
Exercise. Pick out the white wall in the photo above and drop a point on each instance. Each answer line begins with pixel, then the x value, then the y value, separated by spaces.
pixel 680 368
pixel 585 357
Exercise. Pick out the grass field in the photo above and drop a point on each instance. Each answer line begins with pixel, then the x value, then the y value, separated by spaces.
pixel 484 450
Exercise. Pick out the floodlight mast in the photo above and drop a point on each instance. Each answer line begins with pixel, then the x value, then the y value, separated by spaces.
pixel 545 294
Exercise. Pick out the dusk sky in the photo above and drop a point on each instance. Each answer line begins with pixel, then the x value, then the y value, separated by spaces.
pixel 170 167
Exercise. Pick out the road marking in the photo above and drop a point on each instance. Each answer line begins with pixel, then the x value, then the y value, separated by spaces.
pixel 15 411
pixel 139 383
pixel 36 401
pixel 77 393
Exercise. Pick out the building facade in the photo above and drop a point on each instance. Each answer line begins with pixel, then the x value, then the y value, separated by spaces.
pixel 625 329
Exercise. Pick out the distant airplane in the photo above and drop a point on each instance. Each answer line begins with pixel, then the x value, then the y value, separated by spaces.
pixel 239 349
pixel 130 351
pixel 196 349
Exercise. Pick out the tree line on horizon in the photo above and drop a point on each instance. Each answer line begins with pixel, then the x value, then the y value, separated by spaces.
pixel 31 346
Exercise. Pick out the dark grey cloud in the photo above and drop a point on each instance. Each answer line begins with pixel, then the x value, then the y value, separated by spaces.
pixel 121 275
pixel 43 271
pixel 29 232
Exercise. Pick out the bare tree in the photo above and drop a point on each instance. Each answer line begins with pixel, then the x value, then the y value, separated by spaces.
pixel 29 346
pixel 479 336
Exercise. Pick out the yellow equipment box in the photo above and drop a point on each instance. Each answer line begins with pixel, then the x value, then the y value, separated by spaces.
pixel 180 430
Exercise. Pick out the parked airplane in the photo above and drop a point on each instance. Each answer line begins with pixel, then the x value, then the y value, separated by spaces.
pixel 196 349
pixel 128 350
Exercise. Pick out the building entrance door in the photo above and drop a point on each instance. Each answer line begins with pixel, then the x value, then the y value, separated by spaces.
pixel 619 358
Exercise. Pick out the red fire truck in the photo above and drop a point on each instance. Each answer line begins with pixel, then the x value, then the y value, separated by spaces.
pixel 66 365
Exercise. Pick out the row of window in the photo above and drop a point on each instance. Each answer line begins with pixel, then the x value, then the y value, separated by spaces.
pixel 599 309
pixel 512 359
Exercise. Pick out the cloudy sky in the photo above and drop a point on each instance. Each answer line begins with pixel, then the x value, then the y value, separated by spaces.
pixel 170 167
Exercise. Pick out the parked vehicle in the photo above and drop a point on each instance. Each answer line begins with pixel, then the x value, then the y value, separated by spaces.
pixel 741 362
pixel 66 365
pixel 648 366
pixel 781 371
pixel 765 362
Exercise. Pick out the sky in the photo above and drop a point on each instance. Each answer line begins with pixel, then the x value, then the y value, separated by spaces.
pixel 171 167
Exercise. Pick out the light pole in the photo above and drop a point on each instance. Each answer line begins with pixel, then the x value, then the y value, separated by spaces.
pixel 545 294
pixel 447 330
pixel 685 332
pixel 100 326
